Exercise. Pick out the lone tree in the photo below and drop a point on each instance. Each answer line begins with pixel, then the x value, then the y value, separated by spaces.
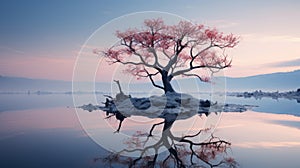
pixel 169 51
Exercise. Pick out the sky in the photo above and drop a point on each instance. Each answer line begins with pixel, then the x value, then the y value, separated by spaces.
pixel 42 39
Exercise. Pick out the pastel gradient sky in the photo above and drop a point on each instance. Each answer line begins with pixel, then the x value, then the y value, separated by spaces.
pixel 41 39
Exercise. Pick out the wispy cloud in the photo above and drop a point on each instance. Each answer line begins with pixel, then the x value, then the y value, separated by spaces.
pixel 289 63
pixel 267 144
pixel 271 38
pixel 9 49
pixel 282 38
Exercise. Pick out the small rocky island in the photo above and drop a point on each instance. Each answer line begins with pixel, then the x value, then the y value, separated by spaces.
pixel 258 94
pixel 182 105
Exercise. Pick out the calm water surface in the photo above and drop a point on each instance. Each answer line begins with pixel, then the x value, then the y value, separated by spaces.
pixel 44 131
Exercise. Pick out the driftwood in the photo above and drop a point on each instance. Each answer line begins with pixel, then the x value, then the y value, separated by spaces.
pixel 121 96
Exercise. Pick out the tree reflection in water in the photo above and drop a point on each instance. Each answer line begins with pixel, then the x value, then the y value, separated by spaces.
pixel 167 149
pixel 184 151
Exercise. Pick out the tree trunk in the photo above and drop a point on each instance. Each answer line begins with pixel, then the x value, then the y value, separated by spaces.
pixel 166 82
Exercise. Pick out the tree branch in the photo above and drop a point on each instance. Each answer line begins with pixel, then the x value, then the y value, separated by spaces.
pixel 137 54
pixel 118 83
pixel 152 81
pixel 156 63
pixel 153 126
pixel 180 72
pixel 179 48
pixel 195 75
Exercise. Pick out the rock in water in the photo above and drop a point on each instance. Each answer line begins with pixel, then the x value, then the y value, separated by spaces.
pixel 205 103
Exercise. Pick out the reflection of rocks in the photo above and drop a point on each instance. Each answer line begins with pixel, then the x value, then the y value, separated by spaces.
pixel 181 151
pixel 274 95
pixel 237 107
pixel 90 107
pixel 183 106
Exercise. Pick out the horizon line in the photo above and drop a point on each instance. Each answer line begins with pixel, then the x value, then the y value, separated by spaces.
pixel 62 80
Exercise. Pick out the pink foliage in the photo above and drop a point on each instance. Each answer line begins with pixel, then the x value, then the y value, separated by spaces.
pixel 136 70
pixel 157 45
pixel 155 24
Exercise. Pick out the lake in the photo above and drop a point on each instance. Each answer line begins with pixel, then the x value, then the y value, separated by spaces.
pixel 44 131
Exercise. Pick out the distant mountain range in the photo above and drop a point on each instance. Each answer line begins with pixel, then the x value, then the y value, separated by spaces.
pixel 18 84
pixel 282 81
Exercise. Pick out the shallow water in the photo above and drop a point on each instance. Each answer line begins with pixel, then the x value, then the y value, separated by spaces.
pixel 44 131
